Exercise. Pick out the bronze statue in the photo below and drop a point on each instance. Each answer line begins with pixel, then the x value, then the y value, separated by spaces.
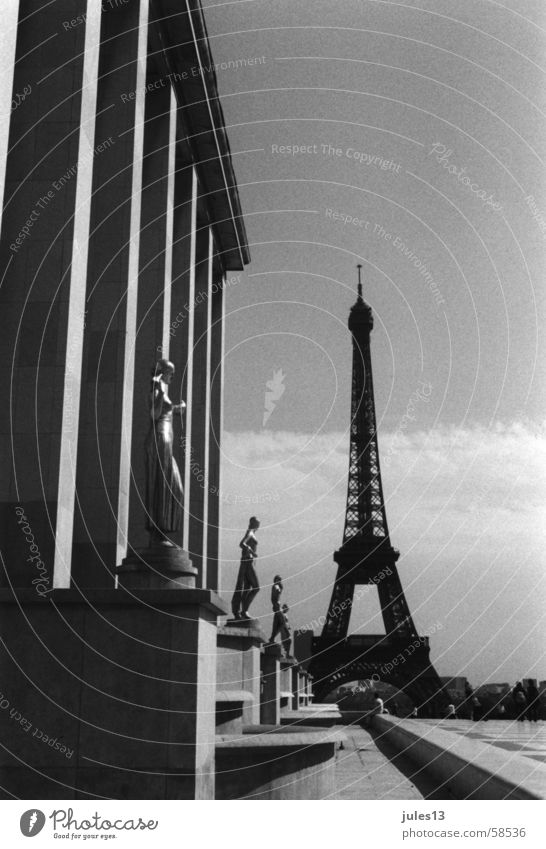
pixel 276 590
pixel 286 631
pixel 280 618
pixel 164 491
pixel 247 586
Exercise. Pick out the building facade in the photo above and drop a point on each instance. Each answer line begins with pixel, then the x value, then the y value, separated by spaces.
pixel 121 230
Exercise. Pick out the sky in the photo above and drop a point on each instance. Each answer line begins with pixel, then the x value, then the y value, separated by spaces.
pixel 407 137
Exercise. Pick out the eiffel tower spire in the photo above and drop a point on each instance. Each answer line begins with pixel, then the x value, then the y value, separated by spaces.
pixel 366 557
pixel 365 515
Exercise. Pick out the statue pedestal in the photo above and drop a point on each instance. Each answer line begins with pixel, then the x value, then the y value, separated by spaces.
pixel 303 687
pixel 238 662
pixel 299 685
pixel 270 705
pixel 289 683
pixel 110 693
pixel 158 567
pixel 307 687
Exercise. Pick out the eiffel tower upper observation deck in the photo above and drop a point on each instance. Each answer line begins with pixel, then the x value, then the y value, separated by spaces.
pixel 400 656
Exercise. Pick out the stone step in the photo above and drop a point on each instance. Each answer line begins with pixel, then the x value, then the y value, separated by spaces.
pixel 274 762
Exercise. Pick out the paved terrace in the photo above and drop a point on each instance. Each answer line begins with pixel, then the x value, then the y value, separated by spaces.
pixel 364 772
pixel 527 738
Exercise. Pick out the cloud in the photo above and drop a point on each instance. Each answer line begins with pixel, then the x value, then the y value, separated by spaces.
pixel 464 506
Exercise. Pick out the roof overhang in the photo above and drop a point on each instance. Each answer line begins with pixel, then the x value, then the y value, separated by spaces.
pixel 181 28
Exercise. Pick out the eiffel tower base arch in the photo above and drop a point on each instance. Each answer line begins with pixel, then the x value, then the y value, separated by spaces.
pixel 400 664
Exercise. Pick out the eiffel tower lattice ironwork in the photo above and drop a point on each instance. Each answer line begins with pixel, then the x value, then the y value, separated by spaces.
pixel 400 656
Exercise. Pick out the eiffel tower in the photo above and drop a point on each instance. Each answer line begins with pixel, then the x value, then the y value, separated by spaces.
pixel 400 656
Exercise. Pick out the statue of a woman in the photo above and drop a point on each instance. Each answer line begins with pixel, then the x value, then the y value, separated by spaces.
pixel 247 586
pixel 164 491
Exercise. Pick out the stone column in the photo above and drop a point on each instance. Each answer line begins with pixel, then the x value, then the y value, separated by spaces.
pixel 88 149
pixel 43 255
pixel 309 688
pixel 199 404
pixel 295 686
pixel 270 707
pixel 238 663
pixel 215 430
pixel 10 16
pixel 303 686
pixel 288 665
pixel 182 307
pixel 169 223
pixel 154 286
pixel 103 470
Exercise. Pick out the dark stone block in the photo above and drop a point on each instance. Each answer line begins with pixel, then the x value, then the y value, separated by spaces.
pixel 89 675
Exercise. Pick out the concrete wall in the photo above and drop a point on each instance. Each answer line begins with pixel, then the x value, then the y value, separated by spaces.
pixel 135 715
